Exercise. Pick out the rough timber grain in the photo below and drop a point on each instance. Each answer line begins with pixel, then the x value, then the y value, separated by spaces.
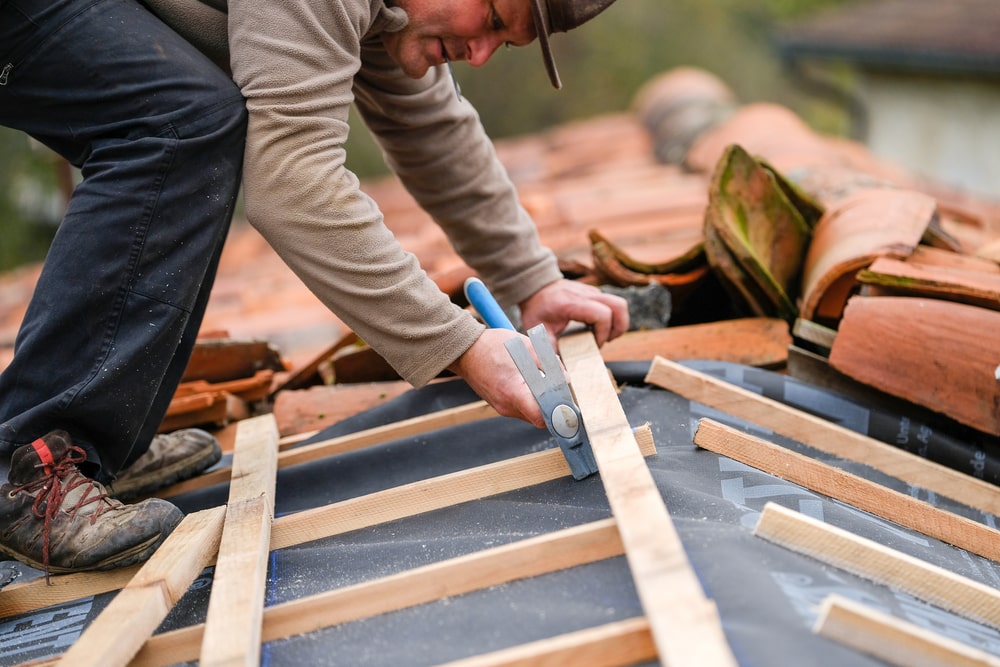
pixel 117 634
pixel 876 562
pixel 491 567
pixel 851 489
pixel 23 597
pixel 619 644
pixel 824 435
pixel 893 640
pixel 235 608
pixel 684 622
pixel 427 495
pixel 345 516
pixel 350 442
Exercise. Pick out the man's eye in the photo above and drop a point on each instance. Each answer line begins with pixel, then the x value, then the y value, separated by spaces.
pixel 496 23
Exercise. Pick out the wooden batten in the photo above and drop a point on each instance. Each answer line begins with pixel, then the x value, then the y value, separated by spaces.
pixel 893 640
pixel 341 517
pixel 490 567
pixel 353 441
pixel 620 644
pixel 824 435
pixel 843 486
pixel 235 608
pixel 117 634
pixel 877 562
pixel 683 621
pixel 427 495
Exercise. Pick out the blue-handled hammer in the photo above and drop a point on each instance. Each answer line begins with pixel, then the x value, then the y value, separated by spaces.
pixel 548 385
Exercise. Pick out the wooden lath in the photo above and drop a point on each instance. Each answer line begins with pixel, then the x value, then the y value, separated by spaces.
pixel 348 443
pixel 334 519
pixel 823 435
pixel 856 491
pixel 893 640
pixel 854 625
pixel 491 567
pixel 235 607
pixel 619 644
pixel 117 634
pixel 877 562
pixel 235 637
pixel 684 622
pixel 680 626
pixel 871 631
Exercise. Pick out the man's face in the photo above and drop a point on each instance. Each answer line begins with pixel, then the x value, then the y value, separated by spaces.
pixel 469 30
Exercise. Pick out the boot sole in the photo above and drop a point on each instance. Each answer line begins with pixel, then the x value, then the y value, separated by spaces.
pixel 136 554
pixel 178 472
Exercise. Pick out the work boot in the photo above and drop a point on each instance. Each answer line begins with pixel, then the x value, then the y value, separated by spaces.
pixel 171 458
pixel 55 519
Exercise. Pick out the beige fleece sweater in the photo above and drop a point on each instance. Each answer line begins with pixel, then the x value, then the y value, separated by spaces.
pixel 300 65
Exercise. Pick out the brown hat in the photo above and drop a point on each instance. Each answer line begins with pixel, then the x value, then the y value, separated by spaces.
pixel 561 16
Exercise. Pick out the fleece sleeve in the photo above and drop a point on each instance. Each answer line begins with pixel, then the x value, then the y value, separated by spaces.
pixel 436 144
pixel 295 61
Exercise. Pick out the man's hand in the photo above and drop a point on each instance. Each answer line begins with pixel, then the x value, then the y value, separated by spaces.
pixel 487 365
pixel 564 301
pixel 491 373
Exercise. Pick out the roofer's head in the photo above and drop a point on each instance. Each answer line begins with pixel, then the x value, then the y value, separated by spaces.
pixel 472 30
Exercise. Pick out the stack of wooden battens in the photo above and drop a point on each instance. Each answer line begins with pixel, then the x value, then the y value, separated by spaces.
pixel 680 626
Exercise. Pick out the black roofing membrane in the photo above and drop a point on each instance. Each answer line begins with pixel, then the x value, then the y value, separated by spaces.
pixel 767 596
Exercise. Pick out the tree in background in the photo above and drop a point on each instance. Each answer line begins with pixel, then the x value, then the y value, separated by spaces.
pixel 32 197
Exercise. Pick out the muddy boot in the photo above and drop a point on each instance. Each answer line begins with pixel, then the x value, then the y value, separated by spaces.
pixel 55 519
pixel 171 458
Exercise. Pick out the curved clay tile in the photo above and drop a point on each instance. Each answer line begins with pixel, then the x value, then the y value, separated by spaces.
pixel 868 224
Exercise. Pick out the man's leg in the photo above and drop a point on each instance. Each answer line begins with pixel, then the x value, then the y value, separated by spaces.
pixel 157 132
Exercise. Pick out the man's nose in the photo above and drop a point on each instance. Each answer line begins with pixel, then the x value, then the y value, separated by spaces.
pixel 480 50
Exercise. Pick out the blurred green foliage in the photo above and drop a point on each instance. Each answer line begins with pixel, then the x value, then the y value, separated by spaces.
pixel 30 203
pixel 603 64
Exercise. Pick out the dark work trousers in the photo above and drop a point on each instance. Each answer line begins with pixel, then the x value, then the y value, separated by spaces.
pixel 157 131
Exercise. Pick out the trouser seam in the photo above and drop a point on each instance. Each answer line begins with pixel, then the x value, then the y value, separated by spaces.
pixel 128 283
pixel 22 56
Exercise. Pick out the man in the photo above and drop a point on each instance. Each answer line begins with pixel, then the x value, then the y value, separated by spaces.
pixel 156 129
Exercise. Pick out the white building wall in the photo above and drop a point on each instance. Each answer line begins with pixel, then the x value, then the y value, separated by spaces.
pixel 946 129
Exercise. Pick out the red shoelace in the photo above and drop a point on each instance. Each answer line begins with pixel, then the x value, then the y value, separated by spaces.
pixel 51 488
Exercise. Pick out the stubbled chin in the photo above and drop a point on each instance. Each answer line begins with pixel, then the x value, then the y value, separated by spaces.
pixel 415 71
pixel 413 63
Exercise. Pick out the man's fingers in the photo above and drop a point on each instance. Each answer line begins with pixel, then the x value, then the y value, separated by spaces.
pixel 490 371
pixel 608 317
